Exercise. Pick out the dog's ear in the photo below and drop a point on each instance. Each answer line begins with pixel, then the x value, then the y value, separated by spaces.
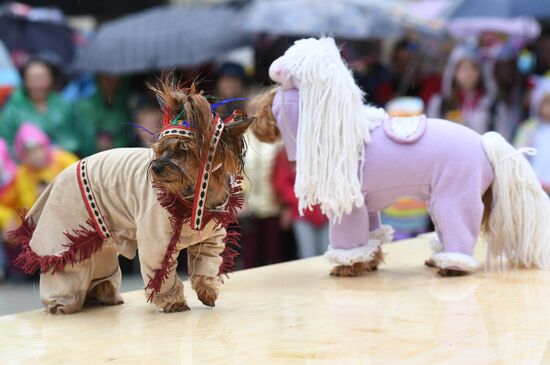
pixel 237 128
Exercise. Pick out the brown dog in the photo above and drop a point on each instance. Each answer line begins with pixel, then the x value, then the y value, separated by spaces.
pixel 179 194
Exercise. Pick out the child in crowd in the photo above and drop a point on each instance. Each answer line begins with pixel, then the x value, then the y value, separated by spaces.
pixel 8 201
pixel 260 220
pixel 464 91
pixel 39 164
pixel 507 111
pixel 535 132
pixel 311 229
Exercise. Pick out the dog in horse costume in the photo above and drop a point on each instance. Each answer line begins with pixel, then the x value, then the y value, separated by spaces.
pixel 355 160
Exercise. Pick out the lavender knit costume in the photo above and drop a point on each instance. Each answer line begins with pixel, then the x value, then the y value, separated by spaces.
pixel 446 166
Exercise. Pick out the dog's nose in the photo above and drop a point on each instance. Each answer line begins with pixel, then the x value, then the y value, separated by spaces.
pixel 157 168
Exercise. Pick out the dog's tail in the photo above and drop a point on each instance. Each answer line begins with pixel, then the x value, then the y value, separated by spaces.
pixel 518 226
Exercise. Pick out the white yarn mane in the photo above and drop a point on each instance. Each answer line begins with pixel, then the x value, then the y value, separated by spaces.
pixel 333 126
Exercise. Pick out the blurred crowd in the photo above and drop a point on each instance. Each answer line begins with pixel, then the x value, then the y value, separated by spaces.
pixel 49 119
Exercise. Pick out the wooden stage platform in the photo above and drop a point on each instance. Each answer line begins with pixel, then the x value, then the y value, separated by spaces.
pixel 295 313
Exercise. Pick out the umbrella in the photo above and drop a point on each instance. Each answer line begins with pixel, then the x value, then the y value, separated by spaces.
pixel 514 18
pixel 520 28
pixel 161 38
pixel 350 19
pixel 501 9
pixel 40 32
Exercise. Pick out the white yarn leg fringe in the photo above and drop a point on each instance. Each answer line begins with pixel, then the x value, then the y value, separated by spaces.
pixel 384 234
pixel 350 256
pixel 519 225
pixel 433 239
pixel 453 260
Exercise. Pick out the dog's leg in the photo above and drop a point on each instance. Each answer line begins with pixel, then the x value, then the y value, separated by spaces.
pixel 105 293
pixel 207 289
pixel 103 289
pixel 203 263
pixel 65 292
pixel 172 300
pixel 359 268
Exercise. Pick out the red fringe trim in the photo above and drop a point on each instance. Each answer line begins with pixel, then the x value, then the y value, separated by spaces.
pixel 83 243
pixel 180 211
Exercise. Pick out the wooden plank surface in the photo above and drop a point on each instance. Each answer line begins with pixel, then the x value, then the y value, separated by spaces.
pixel 294 313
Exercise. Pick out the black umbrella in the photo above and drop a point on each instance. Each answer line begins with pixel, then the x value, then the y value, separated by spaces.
pixel 28 32
pixel 161 38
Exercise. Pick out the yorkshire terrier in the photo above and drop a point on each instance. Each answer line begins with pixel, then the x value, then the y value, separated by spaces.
pixel 181 193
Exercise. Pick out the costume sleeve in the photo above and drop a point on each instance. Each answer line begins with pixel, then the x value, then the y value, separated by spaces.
pixel 153 237
pixel 204 258
pixel 349 240
pixel 352 231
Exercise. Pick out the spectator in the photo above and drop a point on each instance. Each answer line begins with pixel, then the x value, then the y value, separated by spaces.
pixel 147 120
pixel 406 78
pixel 311 229
pixel 535 132
pixel 107 112
pixel 506 110
pixel 260 220
pixel 8 197
pixel 8 201
pixel 543 54
pixel 463 98
pixel 368 70
pixel 231 81
pixel 40 163
pixel 38 102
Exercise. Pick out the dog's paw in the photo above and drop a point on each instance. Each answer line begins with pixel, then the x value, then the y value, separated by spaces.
pixel 354 270
pixel 176 307
pixel 451 272
pixel 359 268
pixel 106 294
pixel 430 263
pixel 207 289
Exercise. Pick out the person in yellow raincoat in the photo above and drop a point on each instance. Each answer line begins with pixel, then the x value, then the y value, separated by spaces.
pixel 40 163
pixel 8 200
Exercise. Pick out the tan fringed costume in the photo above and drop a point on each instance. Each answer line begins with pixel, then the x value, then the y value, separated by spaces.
pixel 106 205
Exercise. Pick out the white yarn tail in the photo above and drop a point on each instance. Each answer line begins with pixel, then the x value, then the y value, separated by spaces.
pixel 519 224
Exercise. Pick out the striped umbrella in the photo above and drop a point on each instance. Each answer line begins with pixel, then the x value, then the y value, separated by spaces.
pixel 161 38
